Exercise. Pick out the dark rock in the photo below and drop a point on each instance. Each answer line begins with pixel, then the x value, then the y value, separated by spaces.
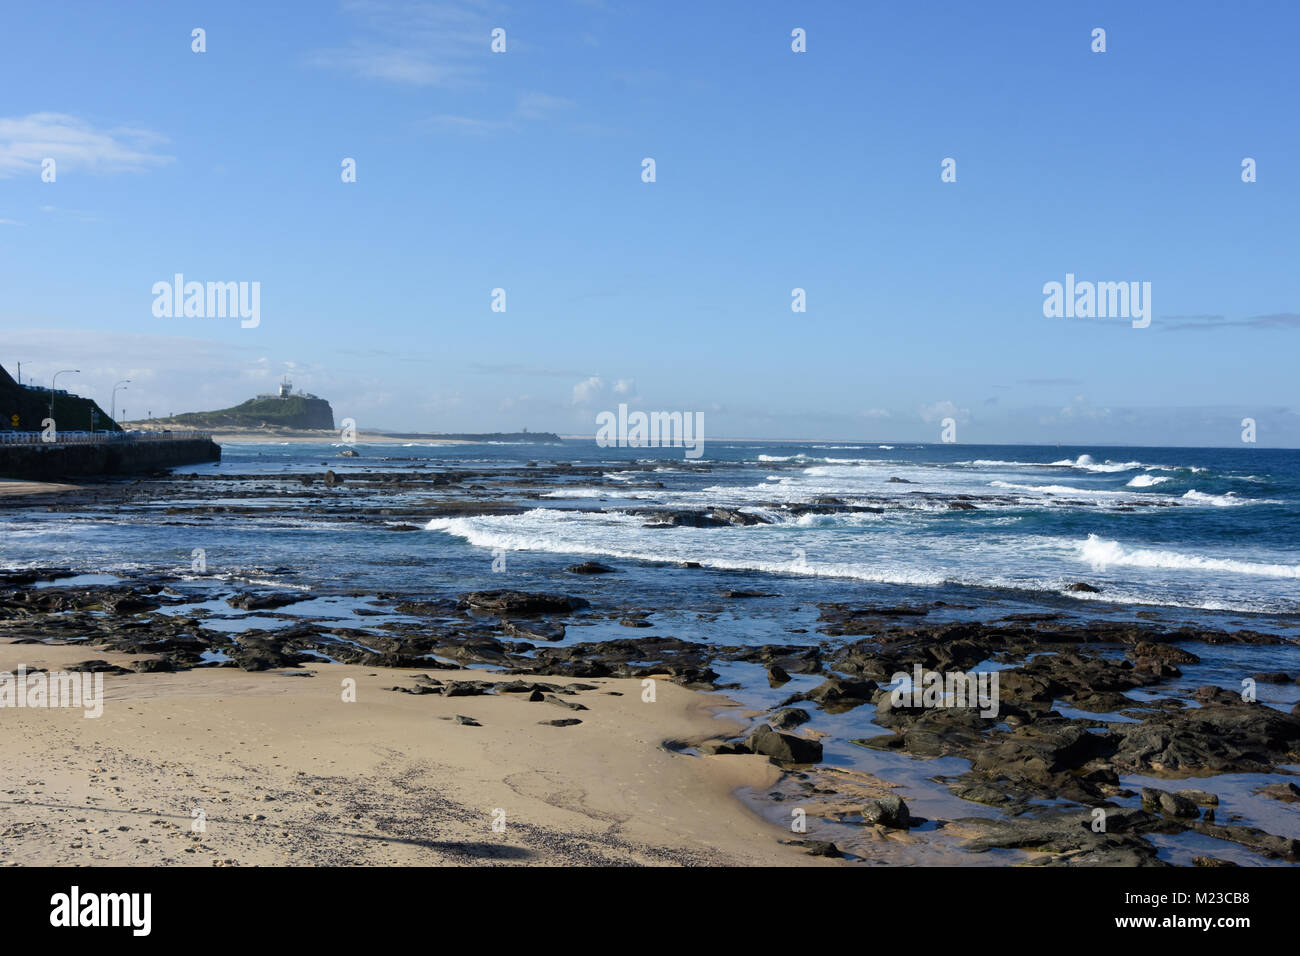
pixel 534 630
pixel 590 567
pixel 1286 791
pixel 789 718
pixel 1273 677
pixel 570 704
pixel 819 848
pixel 889 811
pixel 1162 652
pixel 1266 844
pixel 1069 836
pixel 520 602
pixel 98 667
pixel 729 748
pixel 248 601
pixel 838 694
pixel 1176 805
pixel 1223 736
pixel 784 747
pixel 739 518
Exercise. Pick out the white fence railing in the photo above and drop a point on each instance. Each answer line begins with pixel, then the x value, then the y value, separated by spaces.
pixel 97 438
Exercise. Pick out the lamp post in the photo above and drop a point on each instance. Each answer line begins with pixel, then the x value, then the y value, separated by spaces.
pixel 54 378
pixel 113 413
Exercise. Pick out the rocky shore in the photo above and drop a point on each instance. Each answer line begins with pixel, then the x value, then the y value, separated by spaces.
pixel 1084 762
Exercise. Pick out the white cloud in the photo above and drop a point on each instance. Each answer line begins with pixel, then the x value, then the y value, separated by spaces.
pixel 531 107
pixel 433 43
pixel 1080 409
pixel 596 391
pixel 404 67
pixel 537 106
pixel 463 124
pixel 25 141
pixel 938 411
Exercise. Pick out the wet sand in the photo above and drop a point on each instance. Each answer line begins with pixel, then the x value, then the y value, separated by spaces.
pixel 13 489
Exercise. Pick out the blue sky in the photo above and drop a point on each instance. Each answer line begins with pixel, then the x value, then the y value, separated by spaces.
pixel 775 170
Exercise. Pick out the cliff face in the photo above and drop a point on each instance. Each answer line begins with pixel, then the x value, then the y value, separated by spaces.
pixel 32 406
pixel 295 411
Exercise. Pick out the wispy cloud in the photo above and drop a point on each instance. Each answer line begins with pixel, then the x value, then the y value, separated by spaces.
pixel 431 43
pixel 530 107
pixel 467 125
pixel 540 106
pixel 946 409
pixel 73 143
pixel 1185 323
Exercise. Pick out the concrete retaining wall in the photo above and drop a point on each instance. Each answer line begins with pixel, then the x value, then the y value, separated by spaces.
pixel 48 462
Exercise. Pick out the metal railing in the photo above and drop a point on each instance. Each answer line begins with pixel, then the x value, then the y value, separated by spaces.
pixel 97 438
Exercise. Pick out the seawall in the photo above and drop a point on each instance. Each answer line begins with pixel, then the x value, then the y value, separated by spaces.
pixel 40 462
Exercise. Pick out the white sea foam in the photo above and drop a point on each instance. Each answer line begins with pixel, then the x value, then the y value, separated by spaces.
pixel 1086 463
pixel 898 548
pixel 1102 552
pixel 1082 463
pixel 819 460
pixel 1147 481
pixel 1229 500
pixel 1057 490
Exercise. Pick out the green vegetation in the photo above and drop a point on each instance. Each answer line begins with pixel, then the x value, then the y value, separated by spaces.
pixel 32 406
pixel 293 411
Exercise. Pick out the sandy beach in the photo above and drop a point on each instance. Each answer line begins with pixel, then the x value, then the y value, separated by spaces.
pixel 285 772
pixel 14 489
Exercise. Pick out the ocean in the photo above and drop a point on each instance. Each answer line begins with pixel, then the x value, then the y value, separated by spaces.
pixel 1180 529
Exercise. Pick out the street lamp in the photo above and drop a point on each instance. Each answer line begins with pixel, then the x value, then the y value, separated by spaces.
pixel 53 379
pixel 122 385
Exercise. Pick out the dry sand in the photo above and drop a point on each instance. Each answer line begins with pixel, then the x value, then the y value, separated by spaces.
pixel 285 772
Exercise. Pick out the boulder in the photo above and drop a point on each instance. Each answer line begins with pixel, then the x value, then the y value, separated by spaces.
pixel 784 747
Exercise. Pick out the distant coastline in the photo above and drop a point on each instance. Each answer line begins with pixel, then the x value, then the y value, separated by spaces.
pixel 280 435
